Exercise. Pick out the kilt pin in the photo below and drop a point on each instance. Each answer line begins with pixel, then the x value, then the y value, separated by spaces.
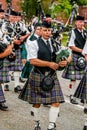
pixel 33 93
pixel 70 71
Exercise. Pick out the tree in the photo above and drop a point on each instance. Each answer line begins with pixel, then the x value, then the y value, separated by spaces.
pixel 62 8
pixel 8 1
pixel 54 7
pixel 80 2
pixel 29 7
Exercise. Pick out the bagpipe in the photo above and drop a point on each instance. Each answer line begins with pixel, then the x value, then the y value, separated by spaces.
pixel 61 55
pixel 62 52
pixel 13 33
pixel 41 14
pixel 3 46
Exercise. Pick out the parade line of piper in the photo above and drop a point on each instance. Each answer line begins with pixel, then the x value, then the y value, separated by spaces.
pixel 33 54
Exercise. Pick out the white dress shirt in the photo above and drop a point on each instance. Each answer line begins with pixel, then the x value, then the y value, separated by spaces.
pixel 84 51
pixel 33 49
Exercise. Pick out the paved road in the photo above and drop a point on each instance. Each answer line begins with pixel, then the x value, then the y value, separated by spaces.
pixel 18 115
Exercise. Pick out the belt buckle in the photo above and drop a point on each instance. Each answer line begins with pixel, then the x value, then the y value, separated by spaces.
pixel 46 73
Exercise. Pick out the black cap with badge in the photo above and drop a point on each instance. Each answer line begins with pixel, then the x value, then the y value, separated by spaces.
pixel 46 24
pixel 79 18
pixel 37 25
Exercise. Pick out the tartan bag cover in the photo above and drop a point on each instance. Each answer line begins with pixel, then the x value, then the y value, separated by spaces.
pixel 22 96
pixel 81 91
pixel 26 70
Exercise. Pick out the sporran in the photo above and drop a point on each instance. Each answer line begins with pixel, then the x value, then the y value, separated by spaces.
pixel 47 82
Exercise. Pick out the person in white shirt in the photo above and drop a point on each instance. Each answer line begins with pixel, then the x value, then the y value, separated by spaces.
pixel 76 44
pixel 42 57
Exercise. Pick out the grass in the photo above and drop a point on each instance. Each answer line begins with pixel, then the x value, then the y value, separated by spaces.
pixel 65 38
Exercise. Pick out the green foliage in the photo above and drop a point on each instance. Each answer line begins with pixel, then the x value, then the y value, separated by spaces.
pixel 80 2
pixel 30 7
pixel 8 1
pixel 63 7
pixel 64 39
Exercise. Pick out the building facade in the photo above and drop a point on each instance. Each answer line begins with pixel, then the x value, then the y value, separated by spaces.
pixel 83 11
pixel 15 4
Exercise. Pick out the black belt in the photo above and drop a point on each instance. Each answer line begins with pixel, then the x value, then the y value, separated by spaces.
pixel 40 72
pixel 78 53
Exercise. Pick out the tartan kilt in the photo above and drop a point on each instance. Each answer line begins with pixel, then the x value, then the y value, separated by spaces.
pixel 81 91
pixel 16 65
pixel 33 93
pixel 70 71
pixel 26 70
pixel 2 98
pixel 23 51
pixel 4 72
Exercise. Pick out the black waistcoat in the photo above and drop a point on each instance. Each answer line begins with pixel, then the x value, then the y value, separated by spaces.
pixel 79 40
pixel 45 54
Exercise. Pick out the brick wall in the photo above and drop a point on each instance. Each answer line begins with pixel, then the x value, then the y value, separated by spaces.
pixel 83 11
pixel 15 4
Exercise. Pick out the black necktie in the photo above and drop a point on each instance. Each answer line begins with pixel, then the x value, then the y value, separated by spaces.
pixel 48 45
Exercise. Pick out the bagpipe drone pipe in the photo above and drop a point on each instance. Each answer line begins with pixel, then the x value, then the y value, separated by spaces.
pixel 62 52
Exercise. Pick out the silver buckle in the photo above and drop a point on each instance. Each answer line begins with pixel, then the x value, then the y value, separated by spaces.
pixel 46 73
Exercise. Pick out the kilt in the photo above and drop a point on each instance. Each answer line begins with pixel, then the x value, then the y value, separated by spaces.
pixel 16 65
pixel 33 93
pixel 26 70
pixel 70 72
pixel 2 98
pixel 81 91
pixel 4 72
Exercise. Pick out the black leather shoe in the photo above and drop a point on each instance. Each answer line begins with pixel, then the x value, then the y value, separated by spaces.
pixel 17 89
pixel 21 80
pixel 73 101
pixel 85 110
pixel 82 101
pixel 12 78
pixel 85 128
pixel 6 87
pixel 54 128
pixel 3 107
pixel 51 129
pixel 37 127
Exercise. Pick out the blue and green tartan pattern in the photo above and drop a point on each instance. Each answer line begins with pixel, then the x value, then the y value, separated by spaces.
pixel 35 95
pixel 81 91
pixel 70 71
pixel 4 76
